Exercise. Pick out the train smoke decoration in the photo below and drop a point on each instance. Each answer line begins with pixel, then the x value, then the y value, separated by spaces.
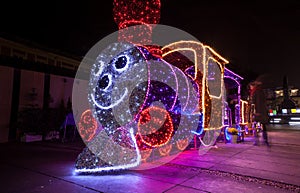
pixel 146 102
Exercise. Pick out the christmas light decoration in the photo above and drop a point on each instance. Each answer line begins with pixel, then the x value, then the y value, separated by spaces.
pixel 137 14
pixel 87 126
pixel 148 103
pixel 133 12
pixel 201 57
pixel 208 74
pixel 145 154
pixel 182 144
pixel 243 112
pixel 228 74
pixel 140 106
pixel 165 151
pixel 126 75
pixel 155 126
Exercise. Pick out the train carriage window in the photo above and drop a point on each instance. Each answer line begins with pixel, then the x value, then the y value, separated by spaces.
pixel 214 77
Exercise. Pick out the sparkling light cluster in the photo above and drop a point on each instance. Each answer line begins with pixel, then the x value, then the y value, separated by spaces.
pixel 159 111
pixel 132 12
pixel 155 127
pixel 143 110
pixel 237 80
pixel 244 111
pixel 148 101
pixel 207 72
pixel 136 14
pixel 197 67
pixel 88 126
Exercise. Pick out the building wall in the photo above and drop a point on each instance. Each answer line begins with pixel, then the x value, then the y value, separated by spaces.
pixel 31 89
pixel 31 94
pixel 79 97
pixel 60 89
pixel 6 86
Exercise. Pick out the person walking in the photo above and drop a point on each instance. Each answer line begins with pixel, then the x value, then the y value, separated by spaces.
pixel 260 114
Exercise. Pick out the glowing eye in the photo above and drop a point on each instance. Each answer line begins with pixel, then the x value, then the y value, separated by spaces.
pixel 104 82
pixel 121 62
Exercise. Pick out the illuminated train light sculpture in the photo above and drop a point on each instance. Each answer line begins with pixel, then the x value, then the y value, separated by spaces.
pixel 132 95
pixel 145 108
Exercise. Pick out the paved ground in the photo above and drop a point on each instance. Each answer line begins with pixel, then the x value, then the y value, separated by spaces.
pixel 48 167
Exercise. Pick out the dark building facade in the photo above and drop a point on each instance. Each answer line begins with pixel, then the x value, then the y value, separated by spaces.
pixel 35 84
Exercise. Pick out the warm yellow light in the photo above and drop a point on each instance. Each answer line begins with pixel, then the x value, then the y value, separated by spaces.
pixel 216 54
pixel 243 111
pixel 202 55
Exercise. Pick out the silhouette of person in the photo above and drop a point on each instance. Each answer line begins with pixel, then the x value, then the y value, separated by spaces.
pixel 260 114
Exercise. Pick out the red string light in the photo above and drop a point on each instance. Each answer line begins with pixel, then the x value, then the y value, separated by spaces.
pixel 165 151
pixel 155 127
pixel 87 126
pixel 136 14
pixel 145 154
pixel 182 144
pixel 132 12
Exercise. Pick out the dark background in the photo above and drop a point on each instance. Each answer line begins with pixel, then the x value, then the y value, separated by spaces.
pixel 257 37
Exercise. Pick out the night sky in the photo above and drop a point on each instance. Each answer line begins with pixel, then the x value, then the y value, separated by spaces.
pixel 257 38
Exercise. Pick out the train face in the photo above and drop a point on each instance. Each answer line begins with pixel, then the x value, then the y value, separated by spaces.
pixel 145 108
